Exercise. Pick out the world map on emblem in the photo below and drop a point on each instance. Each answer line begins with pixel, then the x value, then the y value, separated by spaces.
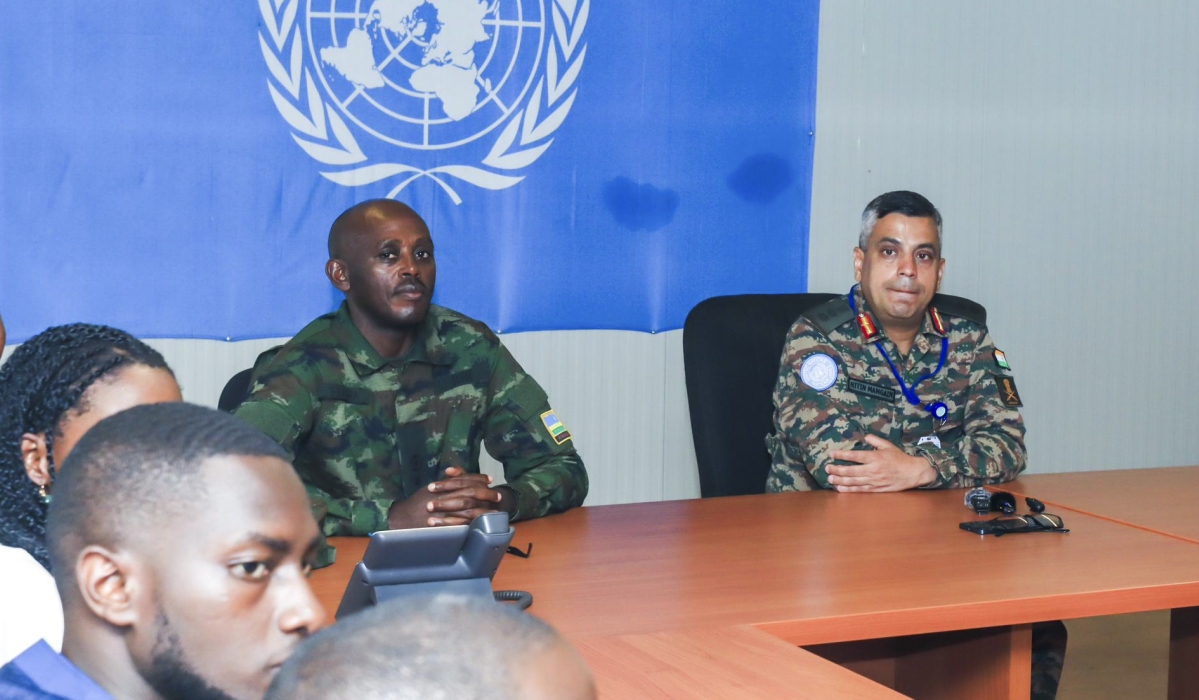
pixel 818 371
pixel 427 74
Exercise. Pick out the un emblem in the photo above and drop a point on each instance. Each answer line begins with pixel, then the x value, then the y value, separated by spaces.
pixel 418 76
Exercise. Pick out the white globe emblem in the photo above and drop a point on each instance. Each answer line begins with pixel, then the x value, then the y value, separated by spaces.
pixel 818 371
pixel 420 76
pixel 426 74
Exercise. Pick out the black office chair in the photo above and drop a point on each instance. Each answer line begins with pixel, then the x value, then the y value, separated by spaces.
pixel 236 390
pixel 731 351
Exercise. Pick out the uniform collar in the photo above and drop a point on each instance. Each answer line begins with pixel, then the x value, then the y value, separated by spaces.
pixel 933 319
pixel 928 327
pixel 429 346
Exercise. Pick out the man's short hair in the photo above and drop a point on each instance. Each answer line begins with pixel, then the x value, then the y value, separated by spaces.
pixel 445 647
pixel 903 202
pixel 135 470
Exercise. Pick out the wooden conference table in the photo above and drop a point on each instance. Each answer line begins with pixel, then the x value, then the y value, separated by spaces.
pixel 1159 500
pixel 711 598
pixel 1164 500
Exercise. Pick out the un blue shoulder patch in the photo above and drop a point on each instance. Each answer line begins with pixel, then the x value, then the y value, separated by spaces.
pixel 818 371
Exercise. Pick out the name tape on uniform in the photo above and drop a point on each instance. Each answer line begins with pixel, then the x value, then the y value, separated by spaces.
pixel 883 393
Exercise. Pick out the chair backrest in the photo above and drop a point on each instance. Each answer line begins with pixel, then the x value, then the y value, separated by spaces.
pixel 235 391
pixel 731 351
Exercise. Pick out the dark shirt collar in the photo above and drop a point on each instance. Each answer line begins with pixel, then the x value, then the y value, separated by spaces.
pixel 428 346
pixel 54 674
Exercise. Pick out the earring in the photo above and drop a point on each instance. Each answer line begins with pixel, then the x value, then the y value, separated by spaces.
pixel 44 493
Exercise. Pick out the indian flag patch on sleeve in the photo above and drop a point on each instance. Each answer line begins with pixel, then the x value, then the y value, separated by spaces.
pixel 554 427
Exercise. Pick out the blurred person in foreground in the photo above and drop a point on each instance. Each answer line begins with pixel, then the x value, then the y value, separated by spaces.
pixel 438 648
pixel 181 541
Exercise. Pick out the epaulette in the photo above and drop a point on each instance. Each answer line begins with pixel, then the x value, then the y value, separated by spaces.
pixel 266 356
pixel 960 307
pixel 829 315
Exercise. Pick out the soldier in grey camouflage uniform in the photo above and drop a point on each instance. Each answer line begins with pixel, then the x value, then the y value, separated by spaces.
pixel 892 388
pixel 384 403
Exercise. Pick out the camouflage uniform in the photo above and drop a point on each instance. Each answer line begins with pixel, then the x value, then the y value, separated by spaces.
pixel 365 431
pixel 982 440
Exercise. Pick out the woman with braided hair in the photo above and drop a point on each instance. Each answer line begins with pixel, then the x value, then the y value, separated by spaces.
pixel 53 388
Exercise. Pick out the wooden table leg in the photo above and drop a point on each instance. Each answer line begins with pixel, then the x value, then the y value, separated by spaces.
pixel 984 664
pixel 1184 654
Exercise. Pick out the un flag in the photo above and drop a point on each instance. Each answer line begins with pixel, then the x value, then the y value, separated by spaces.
pixel 173 168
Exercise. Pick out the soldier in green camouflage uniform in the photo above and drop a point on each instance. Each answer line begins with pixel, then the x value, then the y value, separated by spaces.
pixel 383 404
pixel 845 420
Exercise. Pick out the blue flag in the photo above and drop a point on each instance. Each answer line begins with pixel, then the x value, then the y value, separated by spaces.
pixel 173 168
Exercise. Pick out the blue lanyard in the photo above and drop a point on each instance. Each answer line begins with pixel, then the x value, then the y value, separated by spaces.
pixel 939 410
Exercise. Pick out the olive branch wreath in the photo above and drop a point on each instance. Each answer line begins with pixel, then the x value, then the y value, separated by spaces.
pixel 324 136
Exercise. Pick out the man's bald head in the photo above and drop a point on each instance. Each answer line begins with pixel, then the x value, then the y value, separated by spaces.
pixel 381 258
pixel 364 216
pixel 436 648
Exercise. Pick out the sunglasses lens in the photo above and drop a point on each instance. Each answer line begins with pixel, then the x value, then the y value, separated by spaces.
pixel 1048 522
pixel 1011 524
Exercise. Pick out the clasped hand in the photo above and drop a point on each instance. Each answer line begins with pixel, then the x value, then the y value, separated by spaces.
pixel 455 500
pixel 885 468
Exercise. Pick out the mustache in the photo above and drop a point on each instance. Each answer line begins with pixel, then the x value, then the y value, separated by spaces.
pixel 410 285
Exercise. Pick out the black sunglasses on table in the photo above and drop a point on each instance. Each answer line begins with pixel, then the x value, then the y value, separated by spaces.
pixel 1009 524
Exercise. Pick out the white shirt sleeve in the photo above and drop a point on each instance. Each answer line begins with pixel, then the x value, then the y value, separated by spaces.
pixel 30 608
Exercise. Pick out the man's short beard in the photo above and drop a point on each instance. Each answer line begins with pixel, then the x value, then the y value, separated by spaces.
pixel 170 674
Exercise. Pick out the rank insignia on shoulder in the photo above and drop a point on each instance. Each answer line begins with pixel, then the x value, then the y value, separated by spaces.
pixel 1007 391
pixel 554 427
pixel 866 326
pixel 936 319
pixel 1001 360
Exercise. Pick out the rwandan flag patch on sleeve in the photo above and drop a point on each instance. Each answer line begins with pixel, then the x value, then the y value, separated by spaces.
pixel 554 426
